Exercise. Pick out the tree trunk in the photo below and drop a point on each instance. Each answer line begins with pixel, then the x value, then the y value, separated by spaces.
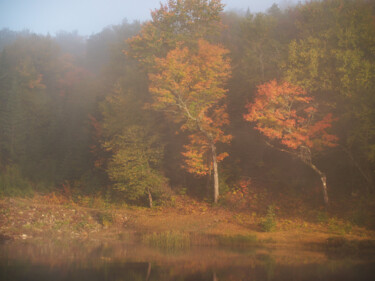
pixel 308 162
pixel 149 197
pixel 216 174
pixel 325 194
pixel 323 178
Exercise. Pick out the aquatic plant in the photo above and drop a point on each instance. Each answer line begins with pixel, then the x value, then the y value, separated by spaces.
pixel 169 240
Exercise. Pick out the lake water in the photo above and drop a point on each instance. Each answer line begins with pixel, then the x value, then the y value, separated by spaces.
pixel 120 261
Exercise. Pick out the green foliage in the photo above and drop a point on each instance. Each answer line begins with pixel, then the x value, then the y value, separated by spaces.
pixel 134 167
pixel 333 224
pixel 179 21
pixel 12 183
pixel 268 224
pixel 262 49
pixel 128 134
pixel 334 59
pixel 339 227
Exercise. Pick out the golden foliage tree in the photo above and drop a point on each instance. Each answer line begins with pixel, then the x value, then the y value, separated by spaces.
pixel 188 85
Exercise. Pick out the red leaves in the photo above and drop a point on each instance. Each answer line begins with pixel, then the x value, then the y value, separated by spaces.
pixel 284 112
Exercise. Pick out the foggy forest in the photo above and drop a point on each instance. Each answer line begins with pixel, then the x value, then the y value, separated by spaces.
pixel 230 121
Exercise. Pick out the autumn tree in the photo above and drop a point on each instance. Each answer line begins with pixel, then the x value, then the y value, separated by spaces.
pixel 191 91
pixel 287 116
pixel 189 86
pixel 175 22
pixel 333 59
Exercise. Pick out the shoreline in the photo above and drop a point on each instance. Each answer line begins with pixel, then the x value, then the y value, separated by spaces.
pixel 34 219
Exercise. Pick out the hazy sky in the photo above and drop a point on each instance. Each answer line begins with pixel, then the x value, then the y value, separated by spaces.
pixel 90 16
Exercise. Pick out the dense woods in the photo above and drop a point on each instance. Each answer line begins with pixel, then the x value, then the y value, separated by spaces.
pixel 196 101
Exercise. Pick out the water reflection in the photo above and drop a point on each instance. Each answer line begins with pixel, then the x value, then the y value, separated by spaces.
pixel 91 261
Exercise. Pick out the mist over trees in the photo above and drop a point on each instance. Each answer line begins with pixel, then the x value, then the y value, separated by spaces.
pixel 139 111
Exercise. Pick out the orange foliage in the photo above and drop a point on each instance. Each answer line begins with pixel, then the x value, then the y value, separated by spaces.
pixel 241 197
pixel 189 85
pixel 285 113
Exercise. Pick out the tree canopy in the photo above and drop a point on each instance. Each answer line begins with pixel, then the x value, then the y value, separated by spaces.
pixel 140 109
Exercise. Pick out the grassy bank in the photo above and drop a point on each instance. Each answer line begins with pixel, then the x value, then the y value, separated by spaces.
pixel 181 226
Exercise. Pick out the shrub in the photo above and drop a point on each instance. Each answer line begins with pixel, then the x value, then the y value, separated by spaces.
pixel 268 224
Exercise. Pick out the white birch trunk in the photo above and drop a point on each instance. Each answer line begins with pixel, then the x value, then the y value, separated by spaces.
pixel 216 174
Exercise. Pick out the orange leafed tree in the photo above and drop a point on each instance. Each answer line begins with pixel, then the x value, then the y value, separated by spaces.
pixel 188 84
pixel 286 115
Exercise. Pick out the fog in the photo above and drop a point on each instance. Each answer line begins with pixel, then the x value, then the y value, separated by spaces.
pixel 220 125
pixel 90 16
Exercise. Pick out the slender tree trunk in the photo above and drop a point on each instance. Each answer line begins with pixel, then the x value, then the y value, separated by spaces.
pixel 323 178
pixel 308 162
pixel 325 193
pixel 216 174
pixel 149 197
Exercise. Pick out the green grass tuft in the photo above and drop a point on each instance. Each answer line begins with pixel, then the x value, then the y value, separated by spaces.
pixel 170 240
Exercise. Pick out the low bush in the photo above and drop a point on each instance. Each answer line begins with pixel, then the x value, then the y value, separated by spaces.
pixel 268 224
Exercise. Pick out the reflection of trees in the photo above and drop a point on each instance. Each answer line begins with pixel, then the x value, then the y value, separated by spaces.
pixel 269 266
pixel 148 271
pixel 121 262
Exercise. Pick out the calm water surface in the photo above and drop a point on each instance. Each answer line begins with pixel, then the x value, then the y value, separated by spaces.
pixel 39 260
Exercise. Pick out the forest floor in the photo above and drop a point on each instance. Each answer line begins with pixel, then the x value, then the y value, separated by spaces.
pixel 50 217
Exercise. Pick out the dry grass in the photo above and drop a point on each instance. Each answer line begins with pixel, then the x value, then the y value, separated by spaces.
pixel 50 216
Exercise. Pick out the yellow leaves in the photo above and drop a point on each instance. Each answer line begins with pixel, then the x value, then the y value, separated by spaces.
pixel 29 75
pixel 177 21
pixel 188 74
pixel 189 83
pixel 194 78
